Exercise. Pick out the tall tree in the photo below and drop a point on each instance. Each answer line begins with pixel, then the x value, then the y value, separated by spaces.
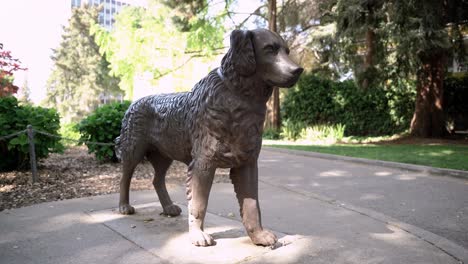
pixel 24 92
pixel 80 74
pixel 421 33
pixel 358 31
pixel 273 118
pixel 403 40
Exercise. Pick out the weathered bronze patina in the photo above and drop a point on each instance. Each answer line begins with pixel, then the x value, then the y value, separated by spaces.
pixel 218 124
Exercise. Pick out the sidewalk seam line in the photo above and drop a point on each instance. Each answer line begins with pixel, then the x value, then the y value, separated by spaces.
pixel 125 238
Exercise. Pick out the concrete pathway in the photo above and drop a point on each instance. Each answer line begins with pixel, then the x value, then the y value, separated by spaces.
pixel 432 202
pixel 313 227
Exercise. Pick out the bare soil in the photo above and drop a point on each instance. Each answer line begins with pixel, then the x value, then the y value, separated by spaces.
pixel 75 173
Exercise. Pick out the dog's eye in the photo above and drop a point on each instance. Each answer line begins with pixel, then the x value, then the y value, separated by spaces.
pixel 287 51
pixel 271 49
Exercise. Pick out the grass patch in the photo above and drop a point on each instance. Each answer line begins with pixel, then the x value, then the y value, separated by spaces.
pixel 441 156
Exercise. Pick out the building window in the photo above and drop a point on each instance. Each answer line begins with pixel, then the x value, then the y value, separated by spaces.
pixel 76 3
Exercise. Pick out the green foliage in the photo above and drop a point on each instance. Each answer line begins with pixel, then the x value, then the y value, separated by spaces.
pixel 146 41
pixel 291 130
pixel 271 133
pixel 376 111
pixel 355 21
pixel 186 10
pixel 320 133
pixel 456 102
pixel 14 118
pixel 80 74
pixel 103 125
pixel 323 133
pixel 69 131
pixel 404 32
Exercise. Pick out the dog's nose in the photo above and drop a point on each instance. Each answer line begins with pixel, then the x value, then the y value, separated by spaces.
pixel 297 71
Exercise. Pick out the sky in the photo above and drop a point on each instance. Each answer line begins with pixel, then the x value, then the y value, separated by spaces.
pixel 30 29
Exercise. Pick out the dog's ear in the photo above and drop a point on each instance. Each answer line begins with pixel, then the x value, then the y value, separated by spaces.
pixel 243 52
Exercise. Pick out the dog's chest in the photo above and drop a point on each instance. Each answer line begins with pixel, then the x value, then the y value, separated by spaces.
pixel 234 127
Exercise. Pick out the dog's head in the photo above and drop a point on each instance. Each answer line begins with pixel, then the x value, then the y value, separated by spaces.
pixel 264 54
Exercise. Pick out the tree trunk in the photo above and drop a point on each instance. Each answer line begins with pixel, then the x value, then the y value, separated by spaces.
pixel 369 58
pixel 428 119
pixel 273 119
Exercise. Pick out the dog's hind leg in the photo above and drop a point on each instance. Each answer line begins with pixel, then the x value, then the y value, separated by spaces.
pixel 161 164
pixel 128 166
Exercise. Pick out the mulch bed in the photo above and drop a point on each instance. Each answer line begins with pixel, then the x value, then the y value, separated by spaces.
pixel 75 173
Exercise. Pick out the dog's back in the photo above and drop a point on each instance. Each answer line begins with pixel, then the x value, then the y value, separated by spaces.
pixel 155 122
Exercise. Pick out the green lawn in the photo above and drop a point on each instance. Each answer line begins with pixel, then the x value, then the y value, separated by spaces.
pixel 441 156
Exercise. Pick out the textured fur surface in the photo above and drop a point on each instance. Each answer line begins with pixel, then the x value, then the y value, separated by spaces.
pixel 218 124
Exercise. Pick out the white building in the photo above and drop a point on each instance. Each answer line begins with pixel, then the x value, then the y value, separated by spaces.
pixel 109 10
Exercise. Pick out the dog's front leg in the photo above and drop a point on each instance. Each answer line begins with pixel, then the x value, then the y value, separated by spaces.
pixel 199 181
pixel 245 180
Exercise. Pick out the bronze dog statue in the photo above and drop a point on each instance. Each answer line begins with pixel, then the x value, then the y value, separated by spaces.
pixel 219 124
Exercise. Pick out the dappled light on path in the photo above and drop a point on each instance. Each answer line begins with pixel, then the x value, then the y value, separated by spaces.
pixel 396 236
pixel 383 173
pixel 334 173
pixel 405 177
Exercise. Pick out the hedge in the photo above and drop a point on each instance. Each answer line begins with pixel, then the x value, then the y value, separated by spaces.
pixel 363 112
pixel 103 125
pixel 13 118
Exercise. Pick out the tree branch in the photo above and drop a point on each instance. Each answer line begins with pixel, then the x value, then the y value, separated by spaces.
pixel 179 66
pixel 256 12
pixel 199 51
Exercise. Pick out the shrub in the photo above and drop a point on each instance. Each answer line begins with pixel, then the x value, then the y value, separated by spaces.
pixel 291 130
pixel 374 111
pixel 456 102
pixel 69 131
pixel 103 125
pixel 271 133
pixel 13 118
pixel 323 133
pixel 317 133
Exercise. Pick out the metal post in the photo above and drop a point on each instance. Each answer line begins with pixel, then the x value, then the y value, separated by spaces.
pixel 32 153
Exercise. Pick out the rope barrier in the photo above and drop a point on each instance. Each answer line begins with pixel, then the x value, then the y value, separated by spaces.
pixel 70 139
pixel 30 132
pixel 12 135
pixel 56 136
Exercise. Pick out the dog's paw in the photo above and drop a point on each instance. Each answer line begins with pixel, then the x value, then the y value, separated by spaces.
pixel 264 238
pixel 201 239
pixel 172 210
pixel 126 209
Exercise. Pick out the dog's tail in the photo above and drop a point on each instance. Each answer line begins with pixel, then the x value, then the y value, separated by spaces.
pixel 122 140
pixel 125 141
pixel 117 148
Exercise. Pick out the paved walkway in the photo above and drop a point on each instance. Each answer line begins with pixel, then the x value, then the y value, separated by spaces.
pixel 313 227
